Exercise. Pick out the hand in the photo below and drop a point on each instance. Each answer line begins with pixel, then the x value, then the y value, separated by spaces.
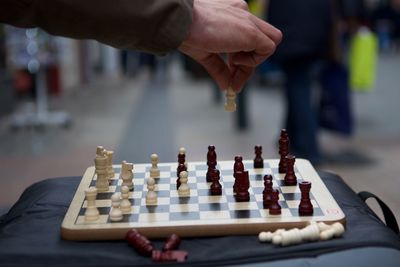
pixel 226 26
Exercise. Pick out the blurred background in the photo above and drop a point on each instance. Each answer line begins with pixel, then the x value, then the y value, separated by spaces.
pixel 60 98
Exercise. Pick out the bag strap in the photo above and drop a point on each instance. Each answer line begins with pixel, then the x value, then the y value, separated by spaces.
pixel 390 219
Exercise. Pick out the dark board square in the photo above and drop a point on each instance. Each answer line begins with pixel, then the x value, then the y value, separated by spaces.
pixel 184 200
pixel 243 214
pixel 203 192
pixel 139 175
pixel 317 212
pixel 213 206
pixel 154 209
pixel 201 167
pixel 164 180
pixel 226 172
pixel 161 168
pixel 283 204
pixel 292 196
pixel 163 193
pixel 126 218
pixel 104 195
pixel 182 216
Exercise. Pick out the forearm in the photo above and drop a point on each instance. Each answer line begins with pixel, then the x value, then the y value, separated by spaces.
pixel 156 26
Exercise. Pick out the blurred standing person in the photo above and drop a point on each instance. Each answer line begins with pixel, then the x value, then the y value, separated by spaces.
pixel 306 26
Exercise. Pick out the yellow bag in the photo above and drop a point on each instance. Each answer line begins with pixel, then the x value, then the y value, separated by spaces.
pixel 362 60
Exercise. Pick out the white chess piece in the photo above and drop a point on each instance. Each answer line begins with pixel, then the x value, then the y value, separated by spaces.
pixel 230 104
pixel 267 236
pixel 127 174
pixel 110 170
pixel 184 189
pixel 126 205
pixel 335 230
pixel 116 213
pixel 91 213
pixel 100 163
pixel 154 171
pixel 310 232
pixel 151 197
pixel 286 238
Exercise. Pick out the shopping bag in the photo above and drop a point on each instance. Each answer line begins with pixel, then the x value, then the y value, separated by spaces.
pixel 335 113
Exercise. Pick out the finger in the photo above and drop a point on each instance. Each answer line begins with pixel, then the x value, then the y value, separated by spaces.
pixel 253 58
pixel 218 70
pixel 273 33
pixel 240 76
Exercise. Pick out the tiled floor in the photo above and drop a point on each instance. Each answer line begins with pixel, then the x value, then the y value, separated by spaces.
pixel 160 113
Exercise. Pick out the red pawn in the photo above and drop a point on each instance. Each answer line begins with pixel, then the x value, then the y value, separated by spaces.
pixel 243 184
pixel 181 168
pixel 305 207
pixel 258 160
pixel 215 188
pixel 139 242
pixel 172 243
pixel 238 166
pixel 211 161
pixel 274 207
pixel 290 177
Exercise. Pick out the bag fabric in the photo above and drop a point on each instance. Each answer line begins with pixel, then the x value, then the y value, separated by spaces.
pixel 30 235
pixel 335 113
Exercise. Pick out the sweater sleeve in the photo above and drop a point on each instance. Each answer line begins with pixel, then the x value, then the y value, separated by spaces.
pixel 155 26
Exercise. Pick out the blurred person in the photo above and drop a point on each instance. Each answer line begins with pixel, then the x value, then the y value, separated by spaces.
pixel 308 28
pixel 201 29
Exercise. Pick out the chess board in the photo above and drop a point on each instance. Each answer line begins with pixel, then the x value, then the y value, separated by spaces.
pixel 201 214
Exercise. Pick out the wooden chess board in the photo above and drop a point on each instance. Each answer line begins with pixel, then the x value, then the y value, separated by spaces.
pixel 201 214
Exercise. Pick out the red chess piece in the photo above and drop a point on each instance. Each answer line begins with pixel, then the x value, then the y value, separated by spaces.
pixel 215 188
pixel 290 177
pixel 258 160
pixel 305 206
pixel 139 242
pixel 238 166
pixel 170 255
pixel 274 207
pixel 267 193
pixel 284 144
pixel 172 242
pixel 181 168
pixel 243 184
pixel 211 161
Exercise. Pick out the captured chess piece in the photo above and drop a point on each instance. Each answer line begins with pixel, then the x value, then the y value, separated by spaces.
pixel 116 213
pixel 258 160
pixel 215 188
pixel 230 104
pixel 290 177
pixel 184 189
pixel 284 144
pixel 125 205
pixel 91 213
pixel 154 171
pixel 151 197
pixel 305 206
pixel 100 163
pixel 127 174
pixel 172 242
pixel 139 242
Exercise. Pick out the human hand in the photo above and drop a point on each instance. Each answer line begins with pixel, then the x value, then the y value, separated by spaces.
pixel 226 26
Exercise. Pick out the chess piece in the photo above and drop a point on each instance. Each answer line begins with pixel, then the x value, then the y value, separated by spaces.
pixel 267 193
pixel 125 205
pixel 258 160
pixel 230 104
pixel 110 170
pixel 116 213
pixel 268 236
pixel 172 242
pixel 284 144
pixel 151 197
pixel 335 230
pixel 243 184
pixel 100 163
pixel 181 168
pixel 170 255
pixel 305 206
pixel 215 188
pixel 237 166
pixel 184 189
pixel 127 174
pixel 286 238
pixel 211 161
pixel 182 155
pixel 139 242
pixel 310 233
pixel 91 213
pixel 154 171
pixel 274 207
pixel 290 177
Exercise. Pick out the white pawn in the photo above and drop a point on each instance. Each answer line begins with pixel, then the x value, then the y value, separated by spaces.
pixel 127 174
pixel 116 213
pixel 230 104
pixel 154 171
pixel 287 238
pixel 151 197
pixel 91 213
pixel 335 230
pixel 126 205
pixel 184 189
pixel 310 232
